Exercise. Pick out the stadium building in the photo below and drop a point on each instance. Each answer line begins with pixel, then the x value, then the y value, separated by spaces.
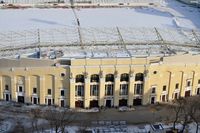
pixel 84 67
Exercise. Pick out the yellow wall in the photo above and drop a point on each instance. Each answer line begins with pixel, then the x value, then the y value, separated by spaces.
pixel 168 72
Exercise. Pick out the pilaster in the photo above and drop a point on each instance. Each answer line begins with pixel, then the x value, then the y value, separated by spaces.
pixel 42 90
pixel 87 93
pixel 116 90
pixel 131 90
pixel 101 91
pixel 27 90
pixel 72 93
pixel 13 88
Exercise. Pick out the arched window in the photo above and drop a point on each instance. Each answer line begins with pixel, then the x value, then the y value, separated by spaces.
pixel 94 78
pixel 139 77
pixel 109 78
pixel 79 78
pixel 124 77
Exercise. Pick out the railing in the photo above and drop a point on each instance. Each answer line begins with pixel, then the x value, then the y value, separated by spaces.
pixel 69 36
pixel 79 1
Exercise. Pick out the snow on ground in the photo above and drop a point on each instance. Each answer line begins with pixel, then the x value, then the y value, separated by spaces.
pixel 188 17
pixel 171 14
pixel 19 19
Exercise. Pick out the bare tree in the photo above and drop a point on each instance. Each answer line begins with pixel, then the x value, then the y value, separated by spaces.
pixel 35 115
pixel 177 107
pixel 19 128
pixel 193 104
pixel 58 120
pixel 83 126
pixel 187 110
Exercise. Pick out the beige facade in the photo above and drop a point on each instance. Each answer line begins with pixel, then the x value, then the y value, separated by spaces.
pixel 92 82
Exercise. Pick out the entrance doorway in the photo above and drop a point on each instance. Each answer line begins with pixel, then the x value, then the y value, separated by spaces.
pixel 94 103
pixel 152 100
pixel 123 102
pixel 34 100
pixel 137 102
pixel 108 103
pixel 21 99
pixel 175 95
pixel 187 93
pixel 7 97
pixel 163 98
pixel 79 104
pixel 49 101
pixel 62 103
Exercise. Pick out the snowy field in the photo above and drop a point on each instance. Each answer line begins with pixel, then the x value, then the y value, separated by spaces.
pixel 171 15
pixel 57 18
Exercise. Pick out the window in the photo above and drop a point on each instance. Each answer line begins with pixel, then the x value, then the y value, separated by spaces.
pixel 177 86
pixel 49 91
pixel 109 78
pixel 6 87
pixel 94 90
pixel 62 74
pixel 94 78
pixel 109 90
pixel 80 78
pixel 123 89
pixel 62 93
pixel 79 90
pixel 138 89
pixel 199 81
pixel 139 77
pixel 188 83
pixel 34 90
pixel 154 72
pixel 164 88
pixel 153 90
pixel 20 89
pixel 124 77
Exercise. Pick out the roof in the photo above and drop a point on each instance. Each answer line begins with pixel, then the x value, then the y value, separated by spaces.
pixel 103 32
pixel 24 62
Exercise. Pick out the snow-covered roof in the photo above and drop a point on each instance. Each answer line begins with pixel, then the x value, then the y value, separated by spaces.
pixel 103 32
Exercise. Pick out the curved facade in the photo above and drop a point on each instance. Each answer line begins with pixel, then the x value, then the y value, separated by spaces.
pixel 96 82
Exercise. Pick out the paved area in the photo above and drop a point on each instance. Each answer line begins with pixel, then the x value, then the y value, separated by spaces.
pixel 141 115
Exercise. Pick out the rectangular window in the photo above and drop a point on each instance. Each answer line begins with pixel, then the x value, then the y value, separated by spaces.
pixel 177 86
pixel 49 91
pixel 164 88
pixel 20 89
pixel 153 90
pixel 109 89
pixel 199 81
pixel 123 89
pixel 94 90
pixel 79 90
pixel 34 90
pixel 62 93
pixel 138 89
